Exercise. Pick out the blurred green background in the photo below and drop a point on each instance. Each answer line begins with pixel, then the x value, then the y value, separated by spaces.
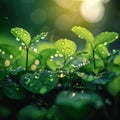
pixel 59 16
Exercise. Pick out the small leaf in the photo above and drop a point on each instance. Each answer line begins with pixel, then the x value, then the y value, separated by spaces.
pixel 9 49
pixel 83 33
pixel 13 91
pixel 21 34
pixel 66 47
pixel 32 112
pixel 105 37
pixel 40 82
pixel 39 37
pixel 104 78
pixel 45 55
pixel 102 51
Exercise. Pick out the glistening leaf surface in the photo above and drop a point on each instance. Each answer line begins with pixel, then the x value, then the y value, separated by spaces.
pixel 83 33
pixel 66 47
pixel 105 37
pixel 21 34
pixel 40 82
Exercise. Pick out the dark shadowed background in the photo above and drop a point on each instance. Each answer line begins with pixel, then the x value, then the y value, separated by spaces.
pixel 58 16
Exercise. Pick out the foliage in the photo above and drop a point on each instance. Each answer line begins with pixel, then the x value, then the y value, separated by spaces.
pixel 57 81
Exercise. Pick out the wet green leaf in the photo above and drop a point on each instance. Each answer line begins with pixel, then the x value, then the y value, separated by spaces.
pixel 75 105
pixel 45 55
pixel 83 33
pixel 114 86
pixel 104 78
pixel 66 47
pixel 21 34
pixel 13 90
pixel 102 51
pixel 105 37
pixel 9 49
pixel 40 82
pixel 39 37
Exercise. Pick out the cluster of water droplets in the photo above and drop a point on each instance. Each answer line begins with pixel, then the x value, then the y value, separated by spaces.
pixel 8 57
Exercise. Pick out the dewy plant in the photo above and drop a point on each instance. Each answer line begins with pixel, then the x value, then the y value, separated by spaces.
pixel 58 82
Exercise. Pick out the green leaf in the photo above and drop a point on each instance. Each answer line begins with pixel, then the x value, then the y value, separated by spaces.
pixel 75 106
pixel 102 51
pixel 114 86
pixel 105 37
pixel 39 37
pixel 45 55
pixel 83 33
pixel 104 78
pixel 31 112
pixel 40 82
pixel 13 91
pixel 9 49
pixel 66 47
pixel 21 34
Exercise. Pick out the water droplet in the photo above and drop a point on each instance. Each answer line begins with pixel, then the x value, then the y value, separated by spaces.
pixel 11 56
pixel 17 39
pixel 61 75
pixel 60 55
pixel 37 62
pixel 36 77
pixel 114 51
pixel 51 79
pixel 33 67
pixel 52 57
pixel 27 81
pixel 56 55
pixel 42 37
pixel 35 49
pixel 22 44
pixel 73 94
pixel 3 52
pixel 105 43
pixel 37 41
pixel 21 30
pixel 43 90
pixel 0 50
pixel 116 37
pixel 7 63
pixel 20 48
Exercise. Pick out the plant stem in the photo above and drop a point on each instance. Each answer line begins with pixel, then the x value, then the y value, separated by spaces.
pixel 27 58
pixel 94 64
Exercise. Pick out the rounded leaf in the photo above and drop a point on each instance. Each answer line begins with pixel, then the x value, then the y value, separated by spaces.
pixel 105 37
pixel 13 91
pixel 83 33
pixel 21 34
pixel 102 51
pixel 40 82
pixel 66 47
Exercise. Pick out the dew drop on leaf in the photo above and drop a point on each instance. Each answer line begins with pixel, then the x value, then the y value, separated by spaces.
pixel 20 48
pixel 17 39
pixel 3 52
pixel 27 81
pixel 43 90
pixel 7 63
pixel 37 62
pixel 35 49
pixel 11 56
